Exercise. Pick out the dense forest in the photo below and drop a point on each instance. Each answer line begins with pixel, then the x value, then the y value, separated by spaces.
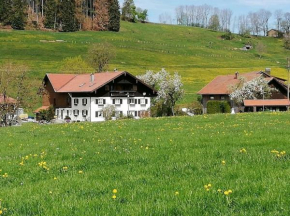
pixel 61 15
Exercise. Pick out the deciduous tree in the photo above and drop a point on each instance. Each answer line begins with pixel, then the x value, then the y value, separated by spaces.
pixel 99 56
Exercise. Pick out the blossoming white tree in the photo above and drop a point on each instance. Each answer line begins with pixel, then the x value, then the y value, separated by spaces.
pixel 169 86
pixel 257 88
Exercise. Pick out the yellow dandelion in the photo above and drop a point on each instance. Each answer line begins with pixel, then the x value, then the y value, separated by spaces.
pixel 115 191
pixel 54 178
pixel 21 163
pixel 1 212
pixel 147 148
pixel 114 196
pixel 50 192
pixel 65 168
pixel 223 162
pixel 176 193
pixel 81 172
pixel 5 175
pixel 226 193
pixel 219 190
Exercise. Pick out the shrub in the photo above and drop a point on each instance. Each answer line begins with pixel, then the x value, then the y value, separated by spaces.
pixel 228 36
pixel 218 107
pixel 287 43
pixel 46 114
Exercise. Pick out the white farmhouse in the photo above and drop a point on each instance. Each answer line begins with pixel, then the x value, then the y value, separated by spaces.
pixel 82 97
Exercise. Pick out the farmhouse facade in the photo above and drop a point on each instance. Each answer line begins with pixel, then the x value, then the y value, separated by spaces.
pixel 219 89
pixel 83 97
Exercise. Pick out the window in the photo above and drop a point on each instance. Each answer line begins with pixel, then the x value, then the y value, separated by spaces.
pixel 131 101
pixel 57 112
pixel 100 102
pixel 132 113
pixel 223 97
pixel 107 87
pixel 143 102
pixel 99 114
pixel 67 113
pixel 85 101
pixel 118 113
pixel 76 101
pixel 85 113
pixel 76 112
pixel 211 97
pixel 117 101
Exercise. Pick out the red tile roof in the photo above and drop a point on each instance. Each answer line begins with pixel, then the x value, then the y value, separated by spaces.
pixel 7 99
pixel 81 82
pixel 41 108
pixel 271 102
pixel 221 84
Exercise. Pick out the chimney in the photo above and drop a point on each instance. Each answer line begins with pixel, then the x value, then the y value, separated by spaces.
pixel 268 71
pixel 92 77
pixel 237 75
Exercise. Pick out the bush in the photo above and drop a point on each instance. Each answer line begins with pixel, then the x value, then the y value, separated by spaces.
pixel 46 114
pixel 287 43
pixel 228 36
pixel 109 111
pixel 218 107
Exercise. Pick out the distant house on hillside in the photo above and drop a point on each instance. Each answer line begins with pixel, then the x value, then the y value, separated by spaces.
pixel 82 97
pixel 273 33
pixel 218 89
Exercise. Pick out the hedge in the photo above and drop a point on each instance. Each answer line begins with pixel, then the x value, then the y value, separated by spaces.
pixel 218 107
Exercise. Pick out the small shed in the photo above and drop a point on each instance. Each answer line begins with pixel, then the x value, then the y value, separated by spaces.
pixel 273 33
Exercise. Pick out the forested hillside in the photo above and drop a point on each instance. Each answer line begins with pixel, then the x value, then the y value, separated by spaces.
pixel 62 15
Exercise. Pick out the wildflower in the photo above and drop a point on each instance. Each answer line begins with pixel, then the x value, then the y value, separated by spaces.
pixel 147 148
pixel 115 191
pixel 228 192
pixel 114 196
pixel 1 212
pixel 219 190
pixel 176 193
pixel 64 168
pixel 50 192
pixel 5 175
pixel 243 150
pixel 21 163
pixel 81 172
pixel 223 162
pixel 207 187
pixel 55 178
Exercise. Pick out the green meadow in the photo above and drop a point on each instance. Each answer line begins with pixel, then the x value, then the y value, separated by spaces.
pixel 197 54
pixel 203 165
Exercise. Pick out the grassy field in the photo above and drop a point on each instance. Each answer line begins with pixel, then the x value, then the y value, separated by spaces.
pixel 142 47
pixel 158 166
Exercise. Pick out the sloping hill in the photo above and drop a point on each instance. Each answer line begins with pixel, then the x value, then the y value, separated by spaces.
pixel 197 54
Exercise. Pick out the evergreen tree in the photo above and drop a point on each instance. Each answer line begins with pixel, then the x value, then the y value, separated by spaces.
pixel 114 15
pixel 5 11
pixel 19 16
pixel 50 10
pixel 67 16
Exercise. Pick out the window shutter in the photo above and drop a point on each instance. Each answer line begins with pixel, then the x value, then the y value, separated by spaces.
pixel 128 101
pixel 97 101
pixel 104 101
pixel 121 101
pixel 136 101
pixel 97 114
pixel 139 101
pixel 139 113
pixel 113 101
pixel 136 113
pixel 146 101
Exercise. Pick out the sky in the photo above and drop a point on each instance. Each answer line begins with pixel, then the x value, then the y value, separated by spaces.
pixel 239 7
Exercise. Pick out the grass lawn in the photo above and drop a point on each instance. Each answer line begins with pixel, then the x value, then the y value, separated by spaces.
pixel 197 54
pixel 159 166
